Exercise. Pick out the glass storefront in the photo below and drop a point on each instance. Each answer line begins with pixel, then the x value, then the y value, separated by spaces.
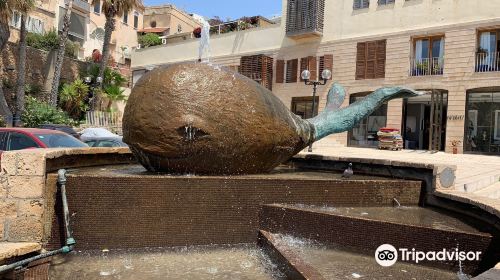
pixel 482 123
pixel 365 134
pixel 302 106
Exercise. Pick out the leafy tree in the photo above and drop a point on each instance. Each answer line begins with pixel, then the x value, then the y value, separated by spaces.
pixel 24 7
pixel 37 113
pixel 73 98
pixel 60 53
pixel 6 7
pixel 149 40
pixel 112 9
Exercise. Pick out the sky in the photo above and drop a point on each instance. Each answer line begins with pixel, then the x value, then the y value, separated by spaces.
pixel 232 9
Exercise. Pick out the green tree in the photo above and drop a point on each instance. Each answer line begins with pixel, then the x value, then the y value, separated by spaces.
pixel 60 53
pixel 149 40
pixel 24 7
pixel 73 98
pixel 6 7
pixel 112 9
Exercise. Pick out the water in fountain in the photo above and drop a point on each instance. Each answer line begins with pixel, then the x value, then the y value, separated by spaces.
pixel 204 50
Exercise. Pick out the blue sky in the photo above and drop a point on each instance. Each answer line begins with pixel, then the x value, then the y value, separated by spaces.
pixel 232 9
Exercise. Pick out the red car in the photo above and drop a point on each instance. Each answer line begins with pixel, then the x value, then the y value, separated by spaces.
pixel 12 139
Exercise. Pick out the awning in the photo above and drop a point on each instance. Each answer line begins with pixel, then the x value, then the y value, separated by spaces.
pixel 78 25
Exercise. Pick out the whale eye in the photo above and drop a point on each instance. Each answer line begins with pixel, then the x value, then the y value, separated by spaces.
pixel 191 133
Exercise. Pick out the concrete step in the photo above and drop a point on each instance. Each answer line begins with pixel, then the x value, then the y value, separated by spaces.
pixel 405 227
pixel 492 191
pixel 478 182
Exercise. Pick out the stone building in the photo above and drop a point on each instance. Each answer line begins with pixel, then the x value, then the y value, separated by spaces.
pixel 448 48
pixel 168 20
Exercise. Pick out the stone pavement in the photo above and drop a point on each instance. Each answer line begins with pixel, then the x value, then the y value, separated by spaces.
pixel 477 176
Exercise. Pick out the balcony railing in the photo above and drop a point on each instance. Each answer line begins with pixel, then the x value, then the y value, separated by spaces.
pixel 488 62
pixel 427 66
pixel 81 5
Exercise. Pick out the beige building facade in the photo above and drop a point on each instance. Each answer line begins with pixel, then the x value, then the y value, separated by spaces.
pixel 448 48
pixel 168 20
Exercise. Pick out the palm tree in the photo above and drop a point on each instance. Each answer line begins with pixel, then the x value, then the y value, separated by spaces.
pixel 60 54
pixel 111 9
pixel 6 7
pixel 24 7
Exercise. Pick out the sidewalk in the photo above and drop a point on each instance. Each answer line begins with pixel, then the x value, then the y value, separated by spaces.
pixel 477 176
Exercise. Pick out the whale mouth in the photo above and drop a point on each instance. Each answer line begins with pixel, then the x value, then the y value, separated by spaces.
pixel 191 133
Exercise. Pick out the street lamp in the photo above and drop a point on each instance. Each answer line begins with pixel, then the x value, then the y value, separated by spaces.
pixel 92 86
pixel 306 76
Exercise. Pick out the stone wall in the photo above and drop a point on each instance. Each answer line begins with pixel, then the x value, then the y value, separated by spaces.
pixel 39 70
pixel 23 188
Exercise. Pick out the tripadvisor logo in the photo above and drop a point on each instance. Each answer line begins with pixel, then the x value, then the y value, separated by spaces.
pixel 387 255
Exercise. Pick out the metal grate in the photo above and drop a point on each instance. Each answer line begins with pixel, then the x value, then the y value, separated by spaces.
pixel 305 17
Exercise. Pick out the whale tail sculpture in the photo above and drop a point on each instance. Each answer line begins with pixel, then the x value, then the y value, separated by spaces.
pixel 333 120
pixel 204 119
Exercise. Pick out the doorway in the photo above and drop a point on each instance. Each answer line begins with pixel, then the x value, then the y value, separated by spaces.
pixel 424 121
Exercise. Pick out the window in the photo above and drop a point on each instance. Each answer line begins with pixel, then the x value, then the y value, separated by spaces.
pixel 19 141
pixel 97 6
pixel 310 64
pixel 365 133
pixel 361 4
pixel 35 25
pixel 482 123
pixel 258 68
pixel 385 2
pixel 16 19
pixel 3 140
pixel 428 56
pixel 305 16
pixel 280 71
pixel 60 141
pixel 370 60
pixel 302 106
pixel 136 19
pixel 125 18
pixel 325 62
pixel 488 51
pixel 291 70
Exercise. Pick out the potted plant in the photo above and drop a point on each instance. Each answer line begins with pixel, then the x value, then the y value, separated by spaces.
pixel 455 144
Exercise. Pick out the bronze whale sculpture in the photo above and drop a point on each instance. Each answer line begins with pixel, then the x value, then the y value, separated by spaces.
pixel 204 119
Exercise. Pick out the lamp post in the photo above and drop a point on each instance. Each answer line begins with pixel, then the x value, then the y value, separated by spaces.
pixel 306 76
pixel 92 86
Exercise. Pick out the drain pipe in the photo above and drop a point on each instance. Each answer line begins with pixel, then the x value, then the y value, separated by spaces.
pixel 70 241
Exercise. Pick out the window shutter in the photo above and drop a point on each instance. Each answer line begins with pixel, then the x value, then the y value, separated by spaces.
pixel 303 66
pixel 361 61
pixel 267 72
pixel 280 71
pixel 366 3
pixel 371 59
pixel 258 68
pixel 295 67
pixel 381 53
pixel 312 67
pixel 291 70
pixel 328 62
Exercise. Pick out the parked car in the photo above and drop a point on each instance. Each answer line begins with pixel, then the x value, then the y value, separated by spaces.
pixel 101 137
pixel 104 142
pixel 12 139
pixel 61 127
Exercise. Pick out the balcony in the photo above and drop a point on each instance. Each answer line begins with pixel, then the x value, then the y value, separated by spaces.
pixel 426 66
pixel 305 18
pixel 487 61
pixel 80 5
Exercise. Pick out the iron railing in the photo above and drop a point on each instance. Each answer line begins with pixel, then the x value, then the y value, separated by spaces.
pixel 487 61
pixel 426 66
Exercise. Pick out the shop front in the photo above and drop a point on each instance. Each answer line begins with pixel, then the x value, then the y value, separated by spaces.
pixel 482 123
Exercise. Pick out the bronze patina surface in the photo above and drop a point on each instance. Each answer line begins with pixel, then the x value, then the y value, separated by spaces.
pixel 204 119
